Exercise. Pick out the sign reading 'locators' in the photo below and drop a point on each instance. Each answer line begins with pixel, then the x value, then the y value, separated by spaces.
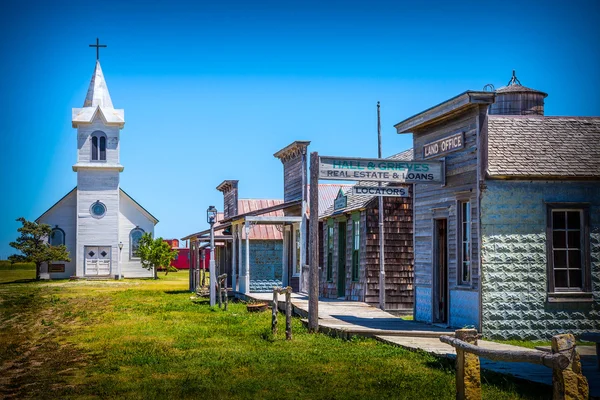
pixel 387 191
pixel 380 170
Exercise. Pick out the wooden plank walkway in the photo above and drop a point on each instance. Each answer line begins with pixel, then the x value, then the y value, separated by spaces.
pixel 347 318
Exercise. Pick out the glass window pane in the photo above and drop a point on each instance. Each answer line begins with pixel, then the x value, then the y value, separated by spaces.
pixel 575 278
pixel 558 220
pixel 466 253
pixel 560 259
pixel 102 148
pixel 575 259
pixel 573 220
pixel 94 148
pixel 560 279
pixel 559 240
pixel 574 239
pixel 466 272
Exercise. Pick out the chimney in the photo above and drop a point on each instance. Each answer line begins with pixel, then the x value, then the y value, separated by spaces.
pixel 293 157
pixel 230 197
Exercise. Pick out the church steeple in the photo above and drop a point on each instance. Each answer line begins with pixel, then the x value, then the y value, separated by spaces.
pixel 97 94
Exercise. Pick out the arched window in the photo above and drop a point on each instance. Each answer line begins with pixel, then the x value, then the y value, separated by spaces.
pixel 98 146
pixel 134 240
pixel 57 237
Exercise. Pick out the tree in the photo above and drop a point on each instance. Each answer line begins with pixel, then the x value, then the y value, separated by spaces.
pixel 155 253
pixel 34 247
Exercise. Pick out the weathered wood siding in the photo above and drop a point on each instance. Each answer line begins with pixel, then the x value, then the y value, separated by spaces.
pixel 398 248
pixel 292 178
pixel 93 185
pixel 131 216
pixel 84 143
pixel 433 201
pixel 63 216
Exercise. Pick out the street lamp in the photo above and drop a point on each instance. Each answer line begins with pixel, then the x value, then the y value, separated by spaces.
pixel 211 218
pixel 120 250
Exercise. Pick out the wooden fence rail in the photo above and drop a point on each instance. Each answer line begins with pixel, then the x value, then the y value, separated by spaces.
pixel 568 382
pixel 288 311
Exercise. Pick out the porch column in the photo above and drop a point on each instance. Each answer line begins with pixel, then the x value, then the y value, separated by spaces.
pixel 234 259
pixel 285 279
pixel 247 266
pixel 239 258
pixel 302 241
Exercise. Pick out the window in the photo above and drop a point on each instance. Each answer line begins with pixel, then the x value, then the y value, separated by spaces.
pixel 134 240
pixel 57 237
pixel 568 248
pixel 464 223
pixel 98 209
pixel 356 248
pixel 98 146
pixel 330 253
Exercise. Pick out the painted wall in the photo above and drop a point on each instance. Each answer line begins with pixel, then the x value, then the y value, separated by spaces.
pixel 63 215
pixel 131 216
pixel 513 218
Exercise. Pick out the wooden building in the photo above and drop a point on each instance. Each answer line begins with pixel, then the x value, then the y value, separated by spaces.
pixel 509 244
pixel 350 248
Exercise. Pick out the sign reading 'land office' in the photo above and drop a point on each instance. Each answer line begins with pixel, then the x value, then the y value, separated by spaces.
pixel 380 170
pixel 443 146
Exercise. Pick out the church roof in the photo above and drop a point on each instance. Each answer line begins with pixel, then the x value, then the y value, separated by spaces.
pixel 97 100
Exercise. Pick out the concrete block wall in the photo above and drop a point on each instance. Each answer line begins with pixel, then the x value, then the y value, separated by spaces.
pixel 514 261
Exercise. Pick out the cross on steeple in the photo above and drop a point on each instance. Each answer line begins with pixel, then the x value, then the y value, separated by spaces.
pixel 97 46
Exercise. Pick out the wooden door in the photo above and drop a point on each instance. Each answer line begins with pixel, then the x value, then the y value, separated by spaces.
pixel 341 259
pixel 91 260
pixel 441 271
pixel 104 260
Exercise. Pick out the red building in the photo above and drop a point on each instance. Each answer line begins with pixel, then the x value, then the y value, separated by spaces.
pixel 182 260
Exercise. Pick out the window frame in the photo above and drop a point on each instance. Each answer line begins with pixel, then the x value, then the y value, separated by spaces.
pixel 64 236
pixel 586 281
pixel 460 242
pixel 98 146
pixel 131 232
pixel 296 268
pixel 356 239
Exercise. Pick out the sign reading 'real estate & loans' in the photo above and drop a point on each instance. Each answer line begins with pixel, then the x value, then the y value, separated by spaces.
pixel 445 145
pixel 380 191
pixel 380 170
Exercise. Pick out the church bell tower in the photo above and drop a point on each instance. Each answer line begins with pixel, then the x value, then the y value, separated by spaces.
pixel 98 168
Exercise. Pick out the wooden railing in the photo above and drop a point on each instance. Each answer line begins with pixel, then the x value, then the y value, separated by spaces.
pixel 288 311
pixel 568 382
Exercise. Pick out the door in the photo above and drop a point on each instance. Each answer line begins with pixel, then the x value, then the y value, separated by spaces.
pixel 341 259
pixel 97 260
pixel 441 271
pixel 91 260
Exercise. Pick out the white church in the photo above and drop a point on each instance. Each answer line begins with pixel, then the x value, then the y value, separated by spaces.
pixel 98 221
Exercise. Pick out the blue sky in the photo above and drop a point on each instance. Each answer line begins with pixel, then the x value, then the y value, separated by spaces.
pixel 212 89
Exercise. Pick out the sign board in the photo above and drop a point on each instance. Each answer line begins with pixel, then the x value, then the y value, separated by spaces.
pixel 56 268
pixel 380 170
pixel 340 201
pixel 445 145
pixel 387 191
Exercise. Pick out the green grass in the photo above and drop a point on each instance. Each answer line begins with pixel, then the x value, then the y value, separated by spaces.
pixel 147 339
pixel 6 265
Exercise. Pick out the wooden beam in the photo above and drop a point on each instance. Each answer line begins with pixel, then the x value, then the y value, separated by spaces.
pixel 313 285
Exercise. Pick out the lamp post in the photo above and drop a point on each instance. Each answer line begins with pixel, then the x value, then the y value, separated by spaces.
pixel 120 251
pixel 211 217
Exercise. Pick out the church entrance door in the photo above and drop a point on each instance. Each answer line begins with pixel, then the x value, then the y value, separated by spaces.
pixel 97 260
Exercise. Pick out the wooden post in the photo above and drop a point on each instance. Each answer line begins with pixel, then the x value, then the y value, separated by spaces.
pixel 288 313
pixel 274 313
pixel 313 286
pixel 233 259
pixel 568 384
pixel 381 228
pixel 219 291
pixel 226 298
pixel 468 376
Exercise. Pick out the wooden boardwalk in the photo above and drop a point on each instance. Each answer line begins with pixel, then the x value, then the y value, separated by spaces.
pixel 348 318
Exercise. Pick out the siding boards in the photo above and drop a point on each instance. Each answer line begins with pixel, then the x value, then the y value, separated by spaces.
pixel 292 178
pixel 434 200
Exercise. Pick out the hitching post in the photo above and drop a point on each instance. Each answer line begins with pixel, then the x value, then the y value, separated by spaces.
pixel 568 384
pixel 274 312
pixel 211 214
pixel 468 375
pixel 381 237
pixel 313 286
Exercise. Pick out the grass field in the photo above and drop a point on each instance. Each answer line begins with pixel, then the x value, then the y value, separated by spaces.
pixel 147 339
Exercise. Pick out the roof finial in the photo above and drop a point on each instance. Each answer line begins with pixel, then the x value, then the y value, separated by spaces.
pixel 97 46
pixel 514 80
